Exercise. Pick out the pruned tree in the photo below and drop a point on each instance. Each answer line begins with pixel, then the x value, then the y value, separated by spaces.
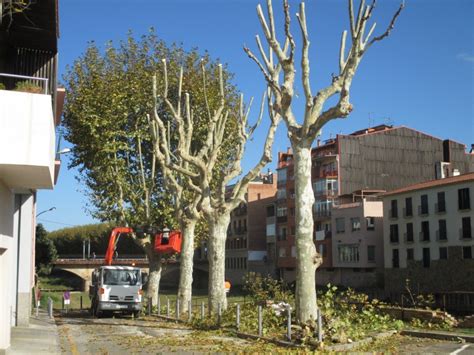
pixel 109 97
pixel 208 170
pixel 280 77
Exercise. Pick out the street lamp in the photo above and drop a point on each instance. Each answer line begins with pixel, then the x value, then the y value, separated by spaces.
pixel 52 208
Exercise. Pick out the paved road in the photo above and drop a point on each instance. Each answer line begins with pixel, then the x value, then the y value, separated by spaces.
pixel 81 334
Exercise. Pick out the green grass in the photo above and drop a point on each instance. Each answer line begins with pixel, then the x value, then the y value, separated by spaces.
pixel 57 298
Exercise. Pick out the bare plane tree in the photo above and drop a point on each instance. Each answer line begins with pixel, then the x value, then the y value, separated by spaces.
pixel 186 200
pixel 199 169
pixel 316 116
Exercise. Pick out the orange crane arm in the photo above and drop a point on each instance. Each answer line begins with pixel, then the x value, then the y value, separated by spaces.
pixel 113 241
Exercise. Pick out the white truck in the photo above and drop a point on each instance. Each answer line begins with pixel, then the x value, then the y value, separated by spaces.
pixel 116 289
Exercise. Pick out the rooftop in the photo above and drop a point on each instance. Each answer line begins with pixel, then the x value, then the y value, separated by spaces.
pixel 432 183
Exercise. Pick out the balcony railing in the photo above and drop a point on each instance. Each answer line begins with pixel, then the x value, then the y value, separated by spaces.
pixel 424 237
pixel 44 81
pixel 240 211
pixel 408 237
pixel 441 235
pixel 240 230
pixel 323 213
pixel 407 212
pixel 465 233
pixel 423 211
pixel 440 207
pixel 393 213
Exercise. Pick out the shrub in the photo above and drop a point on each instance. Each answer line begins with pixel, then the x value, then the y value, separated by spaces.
pixel 2 86
pixel 26 86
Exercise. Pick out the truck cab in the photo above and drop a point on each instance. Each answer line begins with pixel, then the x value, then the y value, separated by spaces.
pixel 116 289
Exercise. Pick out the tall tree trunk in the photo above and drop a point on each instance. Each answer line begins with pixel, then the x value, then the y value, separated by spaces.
pixel 155 265
pixel 216 257
pixel 186 263
pixel 306 256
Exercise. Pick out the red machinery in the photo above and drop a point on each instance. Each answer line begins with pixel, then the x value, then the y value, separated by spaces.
pixel 166 242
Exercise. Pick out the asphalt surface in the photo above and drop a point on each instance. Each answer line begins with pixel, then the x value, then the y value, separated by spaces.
pixel 81 334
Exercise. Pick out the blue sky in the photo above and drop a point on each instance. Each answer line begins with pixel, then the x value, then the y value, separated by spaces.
pixel 422 76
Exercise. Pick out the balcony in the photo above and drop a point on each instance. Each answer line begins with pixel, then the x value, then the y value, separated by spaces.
pixel 322 214
pixel 424 236
pixel 240 211
pixel 423 210
pixel 407 212
pixel 408 237
pixel 440 207
pixel 240 230
pixel 465 234
pixel 441 236
pixel 28 135
pixel 326 174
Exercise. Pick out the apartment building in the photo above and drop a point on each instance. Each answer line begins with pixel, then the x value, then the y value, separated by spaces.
pixel 28 161
pixel 357 246
pixel 377 158
pixel 428 235
pixel 246 245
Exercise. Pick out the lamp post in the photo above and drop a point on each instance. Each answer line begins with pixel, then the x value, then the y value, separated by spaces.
pixel 52 208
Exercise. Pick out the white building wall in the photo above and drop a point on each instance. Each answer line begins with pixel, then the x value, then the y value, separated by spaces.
pixel 23 253
pixel 453 217
pixel 6 260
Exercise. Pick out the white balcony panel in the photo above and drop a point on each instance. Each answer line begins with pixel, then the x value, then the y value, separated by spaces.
pixel 271 230
pixel 27 146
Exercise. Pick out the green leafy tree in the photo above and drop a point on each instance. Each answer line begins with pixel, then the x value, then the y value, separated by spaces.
pixel 45 251
pixel 109 100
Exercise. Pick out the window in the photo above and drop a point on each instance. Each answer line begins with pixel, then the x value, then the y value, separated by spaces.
pixel 426 257
pixel 425 231
pixel 323 250
pixel 467 252
pixel 408 207
pixel 281 193
pixel 293 251
pixel 292 193
pixel 442 230
pixel 395 259
pixel 441 205
pixel 443 253
pixel 282 252
pixel 348 253
pixel 409 235
pixel 410 254
pixel 393 209
pixel 355 222
pixel 282 211
pixel 270 211
pixel 424 204
pixel 371 253
pixel 394 233
pixel 281 233
pixel 292 211
pixel 464 202
pixel 281 175
pixel 370 223
pixel 340 228
pixel 466 228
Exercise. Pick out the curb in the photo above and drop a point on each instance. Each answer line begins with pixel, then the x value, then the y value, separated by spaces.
pixel 350 346
pixel 438 335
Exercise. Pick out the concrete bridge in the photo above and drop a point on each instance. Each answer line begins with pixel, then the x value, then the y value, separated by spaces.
pixel 169 275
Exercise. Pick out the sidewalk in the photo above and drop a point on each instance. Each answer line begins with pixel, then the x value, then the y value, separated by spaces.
pixel 41 337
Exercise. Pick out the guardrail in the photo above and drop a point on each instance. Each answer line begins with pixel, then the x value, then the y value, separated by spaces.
pixel 25 77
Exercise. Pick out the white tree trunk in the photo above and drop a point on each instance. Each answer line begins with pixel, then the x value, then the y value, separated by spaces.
pixel 306 255
pixel 186 263
pixel 216 256
pixel 155 265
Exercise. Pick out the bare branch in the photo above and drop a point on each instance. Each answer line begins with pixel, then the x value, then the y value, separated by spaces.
pixel 305 55
pixel 390 27
pixel 342 52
